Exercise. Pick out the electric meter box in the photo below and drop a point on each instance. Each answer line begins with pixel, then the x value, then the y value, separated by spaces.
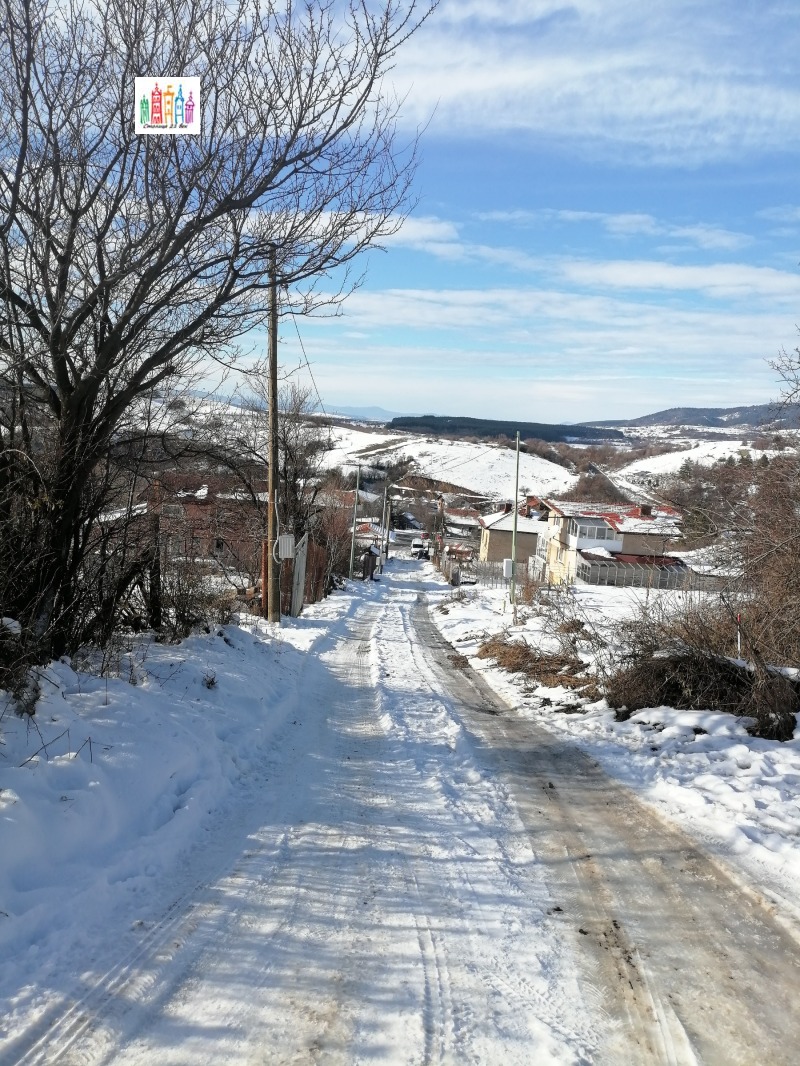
pixel 286 546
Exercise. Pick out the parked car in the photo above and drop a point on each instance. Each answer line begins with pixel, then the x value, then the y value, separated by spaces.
pixel 419 549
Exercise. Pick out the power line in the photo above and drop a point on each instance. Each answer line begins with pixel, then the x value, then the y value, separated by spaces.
pixel 310 371
pixel 447 467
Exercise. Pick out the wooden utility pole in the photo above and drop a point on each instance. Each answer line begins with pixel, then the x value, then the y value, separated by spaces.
pixel 355 513
pixel 388 523
pixel 155 605
pixel 273 568
pixel 514 538
pixel 383 523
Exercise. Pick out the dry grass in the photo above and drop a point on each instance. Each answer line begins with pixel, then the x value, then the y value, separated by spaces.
pixel 461 662
pixel 548 669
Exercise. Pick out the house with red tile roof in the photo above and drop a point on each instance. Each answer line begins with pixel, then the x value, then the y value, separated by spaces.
pixel 608 544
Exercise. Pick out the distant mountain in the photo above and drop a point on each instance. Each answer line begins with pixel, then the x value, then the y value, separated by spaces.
pixel 369 414
pixel 456 426
pixel 772 415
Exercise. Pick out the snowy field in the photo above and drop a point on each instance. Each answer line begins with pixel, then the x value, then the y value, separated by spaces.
pixel 289 840
pixel 704 453
pixel 738 794
pixel 636 477
pixel 484 468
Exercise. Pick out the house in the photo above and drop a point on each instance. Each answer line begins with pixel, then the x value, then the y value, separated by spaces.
pixel 497 531
pixel 203 516
pixel 406 520
pixel 369 504
pixel 608 544
pixel 463 522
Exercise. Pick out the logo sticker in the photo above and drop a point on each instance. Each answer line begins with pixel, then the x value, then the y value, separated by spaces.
pixel 167 105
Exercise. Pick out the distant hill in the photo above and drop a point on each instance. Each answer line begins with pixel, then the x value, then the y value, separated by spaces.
pixel 456 426
pixel 765 414
pixel 369 414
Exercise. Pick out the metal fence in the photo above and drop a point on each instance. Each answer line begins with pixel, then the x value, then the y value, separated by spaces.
pixel 490 573
pixel 641 575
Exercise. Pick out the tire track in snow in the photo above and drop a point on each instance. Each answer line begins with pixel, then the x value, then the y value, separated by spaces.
pixel 687 967
pixel 166 951
pixel 366 886
pixel 429 715
pixel 642 1027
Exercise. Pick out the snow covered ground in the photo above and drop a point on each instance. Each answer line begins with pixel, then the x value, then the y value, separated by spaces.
pixel 287 844
pixel 641 474
pixel 738 794
pixel 484 468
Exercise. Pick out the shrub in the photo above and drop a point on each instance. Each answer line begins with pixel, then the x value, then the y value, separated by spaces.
pixel 680 657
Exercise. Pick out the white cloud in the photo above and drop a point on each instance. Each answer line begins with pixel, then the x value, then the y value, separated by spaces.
pixel 788 213
pixel 532 325
pixel 712 238
pixel 548 354
pixel 442 240
pixel 629 224
pixel 720 281
pixel 672 84
pixel 419 231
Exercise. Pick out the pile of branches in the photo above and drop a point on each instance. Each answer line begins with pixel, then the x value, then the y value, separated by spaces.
pixel 695 680
pixel 682 659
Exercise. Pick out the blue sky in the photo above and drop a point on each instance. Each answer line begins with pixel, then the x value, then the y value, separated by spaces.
pixel 608 220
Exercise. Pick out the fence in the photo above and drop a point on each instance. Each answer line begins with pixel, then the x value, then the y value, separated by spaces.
pixel 620 574
pixel 316 566
pixel 614 574
pixel 490 574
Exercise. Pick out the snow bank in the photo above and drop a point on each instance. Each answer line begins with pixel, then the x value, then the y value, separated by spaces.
pixel 112 780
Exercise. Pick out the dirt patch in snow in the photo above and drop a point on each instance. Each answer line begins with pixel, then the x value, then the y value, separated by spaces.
pixel 549 669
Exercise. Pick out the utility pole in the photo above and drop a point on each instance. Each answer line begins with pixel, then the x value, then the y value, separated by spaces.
pixel 514 538
pixel 273 569
pixel 388 525
pixel 383 520
pixel 442 533
pixel 355 510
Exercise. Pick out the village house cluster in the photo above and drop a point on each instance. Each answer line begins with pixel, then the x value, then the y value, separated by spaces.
pixel 593 543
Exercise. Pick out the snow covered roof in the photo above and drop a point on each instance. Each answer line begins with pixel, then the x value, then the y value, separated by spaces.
pixel 504 520
pixel 345 497
pixel 123 512
pixel 462 516
pixel 624 518
pixel 200 494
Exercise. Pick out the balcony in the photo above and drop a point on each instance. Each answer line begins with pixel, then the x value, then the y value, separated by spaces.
pixel 584 535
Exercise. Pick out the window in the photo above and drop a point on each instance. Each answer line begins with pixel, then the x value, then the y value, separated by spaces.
pixel 603 532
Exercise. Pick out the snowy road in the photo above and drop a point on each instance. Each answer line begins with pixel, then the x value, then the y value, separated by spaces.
pixel 423 877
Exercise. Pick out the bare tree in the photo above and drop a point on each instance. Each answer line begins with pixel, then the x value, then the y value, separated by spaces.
pixel 126 261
